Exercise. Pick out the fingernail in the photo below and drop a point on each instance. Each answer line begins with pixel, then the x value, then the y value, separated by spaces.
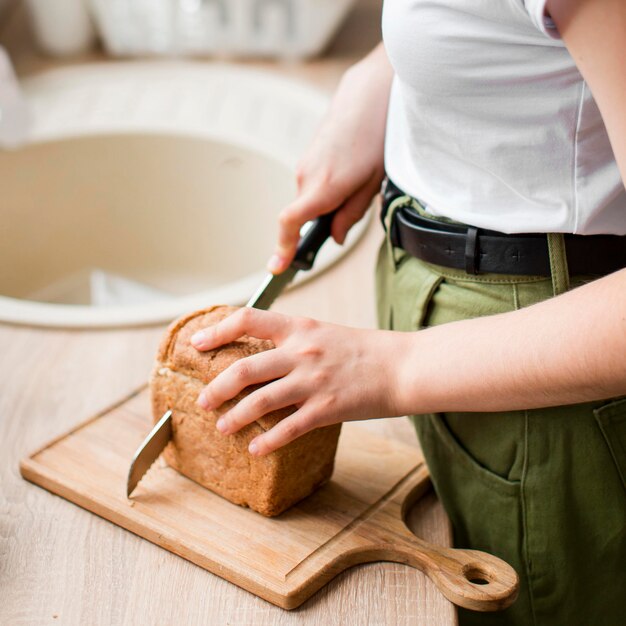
pixel 253 448
pixel 202 401
pixel 221 425
pixel 275 264
pixel 198 339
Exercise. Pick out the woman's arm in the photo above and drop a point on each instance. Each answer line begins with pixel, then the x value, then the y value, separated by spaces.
pixel 568 349
pixel 344 167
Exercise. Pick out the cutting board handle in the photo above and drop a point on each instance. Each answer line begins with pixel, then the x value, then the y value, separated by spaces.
pixel 470 578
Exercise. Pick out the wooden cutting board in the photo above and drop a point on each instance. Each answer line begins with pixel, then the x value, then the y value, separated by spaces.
pixel 358 517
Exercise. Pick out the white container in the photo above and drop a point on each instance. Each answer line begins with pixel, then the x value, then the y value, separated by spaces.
pixel 270 28
pixel 62 27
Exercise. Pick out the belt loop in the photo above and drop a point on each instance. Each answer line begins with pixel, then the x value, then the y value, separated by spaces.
pixel 558 263
pixel 388 221
pixel 471 250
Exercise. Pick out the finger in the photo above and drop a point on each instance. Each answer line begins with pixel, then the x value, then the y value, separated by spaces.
pixel 245 321
pixel 353 210
pixel 286 431
pixel 253 370
pixel 291 220
pixel 276 395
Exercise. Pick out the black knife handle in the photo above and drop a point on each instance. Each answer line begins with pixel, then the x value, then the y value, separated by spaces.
pixel 311 242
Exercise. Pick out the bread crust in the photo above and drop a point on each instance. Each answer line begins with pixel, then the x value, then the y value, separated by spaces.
pixel 222 463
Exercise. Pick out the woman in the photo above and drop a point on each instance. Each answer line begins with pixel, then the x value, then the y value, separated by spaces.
pixel 491 119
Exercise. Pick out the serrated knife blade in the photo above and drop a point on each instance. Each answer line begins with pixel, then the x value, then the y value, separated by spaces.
pixel 149 451
pixel 271 288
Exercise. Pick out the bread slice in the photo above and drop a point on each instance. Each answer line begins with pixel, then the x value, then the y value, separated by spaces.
pixel 268 484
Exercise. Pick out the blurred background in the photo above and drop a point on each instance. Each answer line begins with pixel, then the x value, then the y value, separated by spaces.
pixel 279 29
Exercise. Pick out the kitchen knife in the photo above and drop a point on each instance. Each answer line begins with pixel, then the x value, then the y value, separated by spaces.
pixel 314 235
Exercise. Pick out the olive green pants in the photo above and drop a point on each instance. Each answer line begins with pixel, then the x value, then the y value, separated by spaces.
pixel 544 489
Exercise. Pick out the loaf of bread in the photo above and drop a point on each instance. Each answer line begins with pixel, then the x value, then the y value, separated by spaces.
pixel 268 484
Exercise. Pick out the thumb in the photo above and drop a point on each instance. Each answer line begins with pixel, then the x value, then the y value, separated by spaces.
pixel 291 220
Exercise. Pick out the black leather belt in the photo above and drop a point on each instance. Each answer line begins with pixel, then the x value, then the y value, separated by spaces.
pixel 478 250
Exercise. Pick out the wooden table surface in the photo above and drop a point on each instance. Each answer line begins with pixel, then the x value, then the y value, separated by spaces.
pixel 62 565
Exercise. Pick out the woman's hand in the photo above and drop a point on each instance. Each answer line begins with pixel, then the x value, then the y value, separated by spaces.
pixel 330 373
pixel 343 168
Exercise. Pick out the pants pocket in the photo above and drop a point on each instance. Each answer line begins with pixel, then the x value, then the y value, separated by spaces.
pixel 612 421
pixel 458 469
pixel 485 510
pixel 481 504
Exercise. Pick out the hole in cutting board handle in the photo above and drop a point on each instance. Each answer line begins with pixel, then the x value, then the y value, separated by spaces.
pixel 476 575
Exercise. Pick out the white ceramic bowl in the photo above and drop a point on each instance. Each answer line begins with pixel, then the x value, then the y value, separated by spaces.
pixel 147 190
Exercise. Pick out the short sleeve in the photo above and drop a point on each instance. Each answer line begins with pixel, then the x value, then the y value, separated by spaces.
pixel 537 11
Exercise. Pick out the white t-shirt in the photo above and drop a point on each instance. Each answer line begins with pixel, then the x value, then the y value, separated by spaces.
pixel 490 122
